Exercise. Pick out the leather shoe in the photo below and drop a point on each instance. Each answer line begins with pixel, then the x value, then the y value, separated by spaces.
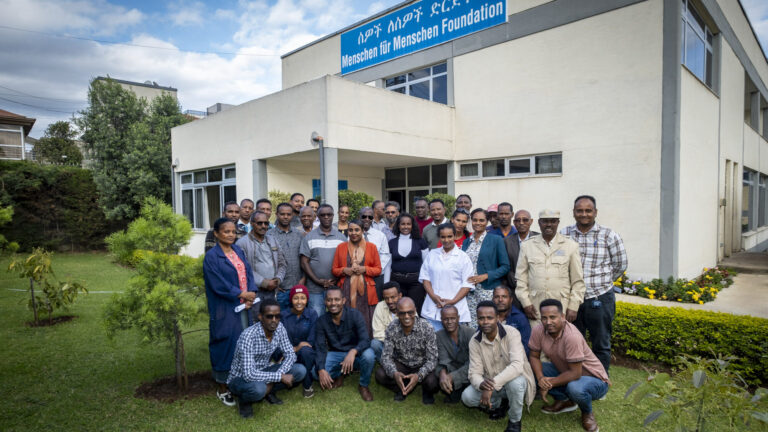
pixel 559 407
pixel 500 412
pixel 246 409
pixel 399 397
pixel 589 423
pixel 514 426
pixel 273 399
pixel 338 382
pixel 365 393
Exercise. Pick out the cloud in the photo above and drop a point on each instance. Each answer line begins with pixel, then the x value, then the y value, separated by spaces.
pixel 757 12
pixel 187 13
pixel 96 17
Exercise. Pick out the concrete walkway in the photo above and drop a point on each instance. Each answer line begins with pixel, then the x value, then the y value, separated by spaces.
pixel 747 296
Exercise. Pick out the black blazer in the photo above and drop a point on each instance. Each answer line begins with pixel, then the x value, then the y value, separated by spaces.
pixel 513 251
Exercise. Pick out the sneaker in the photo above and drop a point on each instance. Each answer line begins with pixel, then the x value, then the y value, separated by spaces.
pixel 309 392
pixel 560 407
pixel 226 398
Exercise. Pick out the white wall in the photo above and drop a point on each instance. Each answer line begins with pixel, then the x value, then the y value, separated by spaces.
pixel 290 176
pixel 322 58
pixel 735 16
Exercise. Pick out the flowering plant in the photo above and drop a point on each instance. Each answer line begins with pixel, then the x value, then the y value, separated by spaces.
pixel 701 289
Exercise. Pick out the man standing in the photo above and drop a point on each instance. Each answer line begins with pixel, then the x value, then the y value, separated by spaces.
pixel 452 368
pixel 549 266
pixel 290 242
pixel 510 315
pixel 383 315
pixel 297 203
pixel 504 217
pixel 464 201
pixel 246 210
pixel 391 213
pixel 421 213
pixel 231 211
pixel 307 218
pixel 315 204
pixel 379 222
pixel 493 217
pixel 522 222
pixel 410 355
pixel 574 376
pixel 343 345
pixel 265 206
pixel 604 259
pixel 429 233
pixel 265 256
pixel 382 245
pixel 498 368
pixel 317 251
pixel 252 377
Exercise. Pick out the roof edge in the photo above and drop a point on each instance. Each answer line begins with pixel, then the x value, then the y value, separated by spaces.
pixel 133 83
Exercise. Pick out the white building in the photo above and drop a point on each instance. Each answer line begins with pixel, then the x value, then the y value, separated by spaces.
pixel 658 108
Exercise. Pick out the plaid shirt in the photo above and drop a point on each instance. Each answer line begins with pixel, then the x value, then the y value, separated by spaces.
pixel 603 257
pixel 254 351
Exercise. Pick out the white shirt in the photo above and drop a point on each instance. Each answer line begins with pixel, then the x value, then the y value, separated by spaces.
pixel 448 273
pixel 380 240
pixel 404 245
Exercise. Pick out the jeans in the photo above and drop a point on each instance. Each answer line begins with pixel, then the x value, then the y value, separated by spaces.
pixel 317 303
pixel 364 362
pixel 254 391
pixel 595 315
pixel 284 300
pixel 306 356
pixel 378 347
pixel 581 391
pixel 514 391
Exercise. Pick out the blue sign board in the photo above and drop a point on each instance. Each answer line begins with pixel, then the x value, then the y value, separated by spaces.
pixel 421 25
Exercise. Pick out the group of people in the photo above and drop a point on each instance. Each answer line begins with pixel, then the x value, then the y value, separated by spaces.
pixel 476 305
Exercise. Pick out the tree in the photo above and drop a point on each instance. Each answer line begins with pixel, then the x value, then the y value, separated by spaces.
pixel 6 215
pixel 57 146
pixel 449 200
pixel 355 201
pixel 129 143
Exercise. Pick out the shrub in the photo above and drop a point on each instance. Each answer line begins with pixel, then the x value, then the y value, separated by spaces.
pixel 701 289
pixel 449 200
pixel 276 197
pixel 355 201
pixel 662 334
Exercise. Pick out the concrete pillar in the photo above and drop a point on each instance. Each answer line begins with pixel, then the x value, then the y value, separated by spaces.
pixel 754 110
pixel 451 184
pixel 765 123
pixel 331 167
pixel 260 186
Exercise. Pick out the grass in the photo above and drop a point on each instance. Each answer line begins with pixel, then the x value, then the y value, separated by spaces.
pixel 71 377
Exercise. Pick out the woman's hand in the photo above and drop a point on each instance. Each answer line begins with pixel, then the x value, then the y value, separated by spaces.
pixel 349 271
pixel 478 279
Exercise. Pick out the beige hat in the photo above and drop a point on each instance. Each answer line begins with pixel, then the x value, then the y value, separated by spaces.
pixel 549 214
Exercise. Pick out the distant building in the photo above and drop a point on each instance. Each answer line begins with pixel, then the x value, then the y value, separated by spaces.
pixel 14 129
pixel 195 113
pixel 148 89
pixel 219 107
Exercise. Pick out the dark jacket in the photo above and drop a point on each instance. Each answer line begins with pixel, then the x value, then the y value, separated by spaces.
pixel 455 362
pixel 492 259
pixel 222 289
pixel 512 244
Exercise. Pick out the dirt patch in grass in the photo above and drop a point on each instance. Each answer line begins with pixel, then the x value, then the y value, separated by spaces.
pixel 55 320
pixel 165 389
pixel 619 359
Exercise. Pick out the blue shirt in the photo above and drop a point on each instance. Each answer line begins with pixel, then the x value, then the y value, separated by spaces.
pixel 300 328
pixel 519 321
pixel 350 333
pixel 497 231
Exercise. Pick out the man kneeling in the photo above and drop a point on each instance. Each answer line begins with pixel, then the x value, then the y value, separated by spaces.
pixel 410 355
pixel 251 377
pixel 575 376
pixel 498 368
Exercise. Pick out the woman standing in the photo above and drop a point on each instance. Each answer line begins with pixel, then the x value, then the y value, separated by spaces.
pixel 343 224
pixel 300 322
pixel 445 275
pixel 408 252
pixel 228 285
pixel 459 219
pixel 489 261
pixel 355 264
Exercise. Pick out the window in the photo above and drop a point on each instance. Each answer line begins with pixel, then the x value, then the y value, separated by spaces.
pixel 204 192
pixel 747 200
pixel 762 205
pixel 430 83
pixel 403 185
pixel 10 142
pixel 316 187
pixel 696 44
pixel 549 164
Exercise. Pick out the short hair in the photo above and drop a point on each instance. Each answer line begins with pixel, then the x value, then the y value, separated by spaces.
pixel 334 288
pixel 364 209
pixel 227 204
pixel 478 210
pixel 256 213
pixel 244 200
pixel 437 200
pixel 294 195
pixel 551 302
pixel 581 197
pixel 263 200
pixel 487 303
pixel 305 208
pixel 464 195
pixel 373 204
pixel 265 303
pixel 313 200
pixel 506 204
pixel 446 225
pixel 391 284
pixel 419 198
pixel 415 232
pixel 448 307
pixel 504 287
pixel 460 211
pixel 284 204
pixel 394 204
pixel 219 222
pixel 357 222
pixel 322 206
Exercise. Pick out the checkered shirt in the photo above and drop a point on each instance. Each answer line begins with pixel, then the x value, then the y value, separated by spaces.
pixel 254 351
pixel 603 257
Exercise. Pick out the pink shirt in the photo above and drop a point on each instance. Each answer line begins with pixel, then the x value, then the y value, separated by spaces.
pixel 569 347
pixel 242 277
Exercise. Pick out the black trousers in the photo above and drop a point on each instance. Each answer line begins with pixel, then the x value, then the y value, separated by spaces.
pixel 430 384
pixel 411 287
pixel 595 316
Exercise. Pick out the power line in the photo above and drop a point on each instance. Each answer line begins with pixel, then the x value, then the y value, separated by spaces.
pixel 39 97
pixel 133 45
pixel 37 107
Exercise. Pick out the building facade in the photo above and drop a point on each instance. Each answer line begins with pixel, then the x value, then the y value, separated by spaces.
pixel 15 142
pixel 655 107
pixel 147 90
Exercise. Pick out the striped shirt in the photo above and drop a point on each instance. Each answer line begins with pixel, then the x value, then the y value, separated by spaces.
pixel 254 351
pixel 603 257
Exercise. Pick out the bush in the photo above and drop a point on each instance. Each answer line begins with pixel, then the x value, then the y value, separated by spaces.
pixel 54 207
pixel 276 197
pixel 157 229
pixel 662 334
pixel 355 201
pixel 701 289
pixel 449 200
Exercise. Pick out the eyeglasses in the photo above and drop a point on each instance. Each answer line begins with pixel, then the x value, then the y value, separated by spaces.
pixel 366 217
pixel 524 220
pixel 261 223
pixel 272 316
pixel 409 313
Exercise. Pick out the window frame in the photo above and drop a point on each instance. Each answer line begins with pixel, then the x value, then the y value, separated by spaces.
pixel 705 35
pixel 407 83
pixel 407 189
pixel 507 174
pixel 202 186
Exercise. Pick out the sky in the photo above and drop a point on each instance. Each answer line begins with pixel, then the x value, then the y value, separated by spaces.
pixel 224 51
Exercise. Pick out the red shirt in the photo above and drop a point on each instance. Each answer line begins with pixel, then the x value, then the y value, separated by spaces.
pixel 458 242
pixel 422 223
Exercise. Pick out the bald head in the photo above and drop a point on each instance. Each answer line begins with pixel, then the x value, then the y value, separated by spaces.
pixel 522 222
pixel 406 313
pixel 405 302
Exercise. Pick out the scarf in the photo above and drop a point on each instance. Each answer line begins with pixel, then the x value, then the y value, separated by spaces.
pixel 356 282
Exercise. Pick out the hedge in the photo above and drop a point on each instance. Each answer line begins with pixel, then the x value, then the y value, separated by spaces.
pixel 662 334
pixel 54 207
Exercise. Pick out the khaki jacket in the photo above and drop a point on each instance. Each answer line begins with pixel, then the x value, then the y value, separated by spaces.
pixel 502 360
pixel 554 272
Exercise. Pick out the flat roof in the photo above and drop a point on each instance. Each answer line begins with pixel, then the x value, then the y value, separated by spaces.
pixel 154 85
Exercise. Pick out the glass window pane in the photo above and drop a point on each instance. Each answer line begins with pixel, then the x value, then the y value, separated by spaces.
pixel 418 176
pixel 214 175
pixel 441 68
pixel 200 177
pixel 708 70
pixel 440 89
pixel 420 90
pixel 762 197
pixel 468 170
pixel 394 178
pixel 230 193
pixel 695 19
pixel 400 90
pixel 400 79
pixel 10 138
pixel 186 178
pixel 493 168
pixel 421 73
pixel 694 53
pixel 10 152
pixel 440 190
pixel 188 205
pixel 215 204
pixel 550 164
pixel 519 166
pixel 413 194
pixel 230 173
pixel 199 208
pixel 440 174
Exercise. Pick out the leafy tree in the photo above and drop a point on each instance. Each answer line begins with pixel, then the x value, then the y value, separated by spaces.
pixel 355 201
pixel 6 215
pixel 157 229
pixel 276 197
pixel 449 200
pixel 57 146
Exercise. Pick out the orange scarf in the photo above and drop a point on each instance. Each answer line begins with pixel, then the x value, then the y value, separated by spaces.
pixel 356 281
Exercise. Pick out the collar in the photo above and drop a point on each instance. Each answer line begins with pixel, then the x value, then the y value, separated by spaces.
pixel 575 228
pixel 253 237
pixel 501 333
pixel 445 219
pixel 451 252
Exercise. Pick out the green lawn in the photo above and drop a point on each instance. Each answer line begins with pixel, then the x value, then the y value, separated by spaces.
pixel 71 377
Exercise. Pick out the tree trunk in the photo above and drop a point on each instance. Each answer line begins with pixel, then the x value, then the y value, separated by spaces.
pixel 34 303
pixel 182 381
